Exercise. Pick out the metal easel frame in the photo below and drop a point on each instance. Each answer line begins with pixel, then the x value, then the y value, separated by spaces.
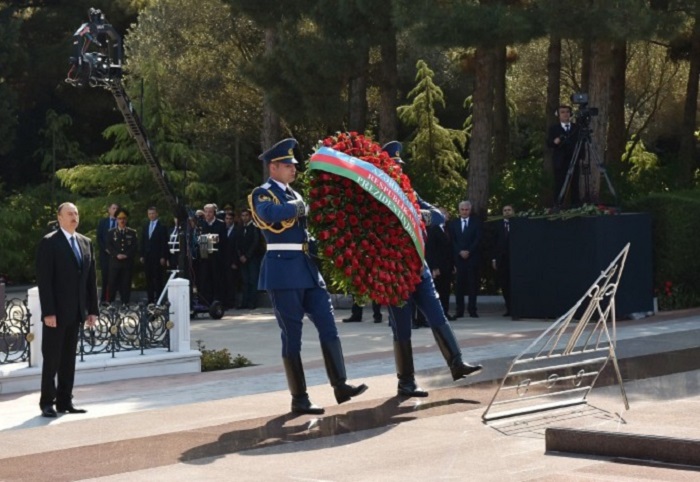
pixel 561 366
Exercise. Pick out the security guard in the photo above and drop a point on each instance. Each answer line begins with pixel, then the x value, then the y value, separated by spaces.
pixel 292 280
pixel 426 299
pixel 122 247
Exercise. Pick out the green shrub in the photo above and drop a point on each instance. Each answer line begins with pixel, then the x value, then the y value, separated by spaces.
pixel 675 225
pixel 220 359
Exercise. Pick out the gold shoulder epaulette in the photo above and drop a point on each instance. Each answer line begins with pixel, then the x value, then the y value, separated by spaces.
pixel 268 196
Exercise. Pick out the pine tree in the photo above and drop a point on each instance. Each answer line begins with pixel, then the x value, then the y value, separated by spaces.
pixel 435 151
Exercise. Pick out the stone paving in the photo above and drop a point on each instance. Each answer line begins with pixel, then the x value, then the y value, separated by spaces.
pixel 234 424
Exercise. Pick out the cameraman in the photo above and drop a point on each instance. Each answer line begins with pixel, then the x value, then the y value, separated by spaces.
pixel 562 137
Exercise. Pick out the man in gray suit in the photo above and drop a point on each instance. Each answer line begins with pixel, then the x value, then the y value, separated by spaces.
pixel 65 268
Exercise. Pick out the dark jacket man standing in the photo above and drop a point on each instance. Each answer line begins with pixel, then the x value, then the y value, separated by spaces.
pixel 65 268
pixel 154 254
pixel 465 232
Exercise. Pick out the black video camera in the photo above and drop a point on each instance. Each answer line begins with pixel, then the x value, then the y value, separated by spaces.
pixel 584 113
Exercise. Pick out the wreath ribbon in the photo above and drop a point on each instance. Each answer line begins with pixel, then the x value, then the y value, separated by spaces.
pixel 376 183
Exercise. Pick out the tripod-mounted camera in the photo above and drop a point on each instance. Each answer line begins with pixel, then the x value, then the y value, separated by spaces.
pixel 584 151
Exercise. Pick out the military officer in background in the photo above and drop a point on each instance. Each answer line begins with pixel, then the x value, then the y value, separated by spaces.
pixel 426 299
pixel 292 280
pixel 122 247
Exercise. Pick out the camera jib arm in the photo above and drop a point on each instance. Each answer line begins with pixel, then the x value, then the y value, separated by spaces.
pixel 103 68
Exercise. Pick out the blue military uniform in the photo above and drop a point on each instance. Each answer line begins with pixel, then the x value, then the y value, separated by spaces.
pixel 426 299
pixel 294 283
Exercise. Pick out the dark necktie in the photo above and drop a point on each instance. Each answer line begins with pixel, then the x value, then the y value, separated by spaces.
pixel 112 223
pixel 76 251
pixel 464 224
pixel 507 224
pixel 566 128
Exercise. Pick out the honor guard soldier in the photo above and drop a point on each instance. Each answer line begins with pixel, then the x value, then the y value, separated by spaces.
pixel 122 247
pixel 426 299
pixel 292 280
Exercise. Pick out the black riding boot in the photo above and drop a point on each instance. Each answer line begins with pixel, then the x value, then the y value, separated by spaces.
pixel 445 338
pixel 403 355
pixel 335 368
pixel 297 386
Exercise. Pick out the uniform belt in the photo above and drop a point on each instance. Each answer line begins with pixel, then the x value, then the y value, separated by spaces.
pixel 288 247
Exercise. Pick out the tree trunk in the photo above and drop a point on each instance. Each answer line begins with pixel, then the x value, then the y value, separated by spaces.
pixel 616 129
pixel 357 96
pixel 599 97
pixel 388 88
pixel 272 125
pixel 586 54
pixel 500 113
pixel 482 132
pixel 553 101
pixel 687 154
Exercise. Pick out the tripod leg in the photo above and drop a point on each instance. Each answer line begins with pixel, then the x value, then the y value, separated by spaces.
pixel 569 173
pixel 604 172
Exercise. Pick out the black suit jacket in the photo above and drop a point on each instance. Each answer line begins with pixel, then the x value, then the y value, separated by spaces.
pixel 469 240
pixel 438 250
pixel 156 247
pixel 500 252
pixel 66 290
pixel 564 151
pixel 103 228
pixel 228 246
pixel 248 242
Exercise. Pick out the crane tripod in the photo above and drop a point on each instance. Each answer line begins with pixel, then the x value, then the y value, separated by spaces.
pixel 584 153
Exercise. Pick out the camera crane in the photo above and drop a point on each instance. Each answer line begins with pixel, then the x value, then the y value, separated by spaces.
pixel 96 61
pixel 584 151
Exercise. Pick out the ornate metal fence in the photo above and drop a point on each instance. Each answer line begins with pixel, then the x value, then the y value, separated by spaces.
pixel 15 335
pixel 122 328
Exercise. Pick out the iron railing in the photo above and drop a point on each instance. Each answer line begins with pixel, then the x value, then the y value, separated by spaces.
pixel 15 336
pixel 122 328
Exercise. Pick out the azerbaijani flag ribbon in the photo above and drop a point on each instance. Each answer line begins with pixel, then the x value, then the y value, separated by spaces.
pixel 378 184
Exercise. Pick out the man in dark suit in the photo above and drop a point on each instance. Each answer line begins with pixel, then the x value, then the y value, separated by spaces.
pixel 230 260
pixel 103 227
pixel 293 281
pixel 250 248
pixel 438 255
pixel 501 256
pixel 465 232
pixel 65 268
pixel 561 137
pixel 154 254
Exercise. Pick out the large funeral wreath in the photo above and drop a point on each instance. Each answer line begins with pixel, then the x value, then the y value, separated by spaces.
pixel 364 249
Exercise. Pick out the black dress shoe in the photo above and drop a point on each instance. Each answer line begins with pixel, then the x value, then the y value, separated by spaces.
pixel 352 319
pixel 451 317
pixel 377 320
pixel 302 404
pixel 459 315
pixel 409 388
pixel 70 409
pixel 473 315
pixel 507 313
pixel 461 370
pixel 48 412
pixel 345 392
